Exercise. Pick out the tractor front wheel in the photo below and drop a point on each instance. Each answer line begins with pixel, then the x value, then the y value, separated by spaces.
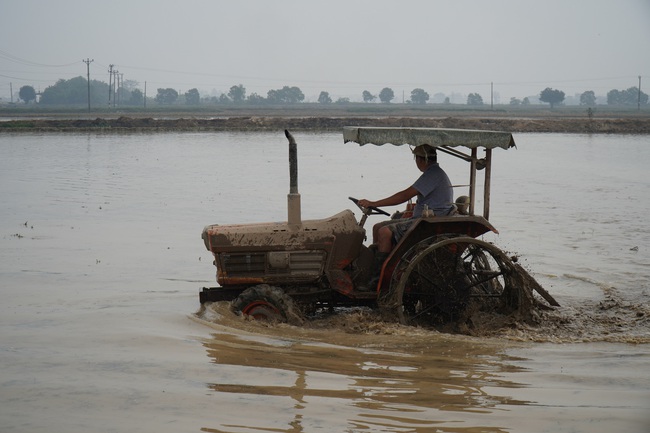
pixel 264 302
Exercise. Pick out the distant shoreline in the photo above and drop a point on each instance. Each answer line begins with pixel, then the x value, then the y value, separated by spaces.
pixel 326 117
pixel 626 125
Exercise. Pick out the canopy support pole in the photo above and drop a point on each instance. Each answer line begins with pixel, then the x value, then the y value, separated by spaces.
pixel 486 185
pixel 472 181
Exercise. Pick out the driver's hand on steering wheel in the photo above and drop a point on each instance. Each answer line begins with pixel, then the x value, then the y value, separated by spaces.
pixel 365 203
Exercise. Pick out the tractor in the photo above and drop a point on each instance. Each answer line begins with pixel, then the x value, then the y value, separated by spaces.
pixel 440 271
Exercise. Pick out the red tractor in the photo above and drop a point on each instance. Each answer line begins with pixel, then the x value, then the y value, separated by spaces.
pixel 438 272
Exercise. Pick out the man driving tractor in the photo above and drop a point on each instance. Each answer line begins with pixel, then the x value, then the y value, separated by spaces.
pixel 434 192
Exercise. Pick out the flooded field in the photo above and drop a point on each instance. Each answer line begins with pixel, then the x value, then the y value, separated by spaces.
pixel 101 262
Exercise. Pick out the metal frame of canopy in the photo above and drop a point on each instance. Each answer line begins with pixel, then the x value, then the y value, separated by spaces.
pixel 446 140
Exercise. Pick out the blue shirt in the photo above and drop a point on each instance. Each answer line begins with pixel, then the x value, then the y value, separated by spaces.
pixel 434 190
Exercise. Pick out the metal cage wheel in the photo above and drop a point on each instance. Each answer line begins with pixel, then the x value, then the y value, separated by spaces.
pixel 434 282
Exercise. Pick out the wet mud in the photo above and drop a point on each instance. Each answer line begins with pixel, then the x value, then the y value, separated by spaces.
pixel 317 123
pixel 611 319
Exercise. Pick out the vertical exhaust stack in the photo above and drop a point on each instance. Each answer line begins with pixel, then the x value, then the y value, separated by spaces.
pixel 293 199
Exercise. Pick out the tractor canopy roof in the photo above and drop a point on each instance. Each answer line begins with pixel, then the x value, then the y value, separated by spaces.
pixel 435 137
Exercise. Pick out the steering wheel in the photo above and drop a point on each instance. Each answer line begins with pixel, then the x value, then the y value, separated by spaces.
pixel 369 210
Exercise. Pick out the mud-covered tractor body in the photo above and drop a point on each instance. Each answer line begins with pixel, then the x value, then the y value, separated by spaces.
pixel 301 258
pixel 266 266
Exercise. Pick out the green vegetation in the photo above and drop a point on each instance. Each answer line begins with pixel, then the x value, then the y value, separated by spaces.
pixel 340 108
pixel 367 96
pixel 474 99
pixel 551 96
pixel 419 96
pixel 127 95
pixel 386 95
pixel 631 96
pixel 324 98
pixel 27 94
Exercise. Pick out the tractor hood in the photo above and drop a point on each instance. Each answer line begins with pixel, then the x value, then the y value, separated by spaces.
pixel 435 137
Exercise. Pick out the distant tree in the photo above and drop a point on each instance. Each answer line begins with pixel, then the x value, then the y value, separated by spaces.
pixel 343 101
pixel 27 94
pixel 166 96
pixel 367 96
pixel 254 98
pixel 130 84
pixel 62 92
pixel 293 94
pixel 447 101
pixel 123 95
pixel 515 101
pixel 635 95
pixel 614 97
pixel 419 96
pixel 551 96
pixel 74 91
pixel 525 101
pixel 630 96
pixel 137 97
pixel 438 98
pixel 474 99
pixel 588 98
pixel 192 97
pixel 224 99
pixel 386 95
pixel 237 93
pixel 273 96
pixel 286 95
pixel 324 98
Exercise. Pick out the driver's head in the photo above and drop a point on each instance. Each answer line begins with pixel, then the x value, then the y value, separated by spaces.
pixel 426 152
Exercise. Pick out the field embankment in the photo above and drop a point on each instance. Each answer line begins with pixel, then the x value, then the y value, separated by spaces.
pixel 310 117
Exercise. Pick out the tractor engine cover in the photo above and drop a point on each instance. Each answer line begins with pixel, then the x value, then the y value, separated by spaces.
pixel 282 253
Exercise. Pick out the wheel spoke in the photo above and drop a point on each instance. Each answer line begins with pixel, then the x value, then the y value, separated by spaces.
pixel 421 313
pixel 492 276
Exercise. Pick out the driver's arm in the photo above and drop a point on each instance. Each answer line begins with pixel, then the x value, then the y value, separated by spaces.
pixel 393 200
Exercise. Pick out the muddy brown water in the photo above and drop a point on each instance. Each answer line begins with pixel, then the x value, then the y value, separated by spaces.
pixel 101 262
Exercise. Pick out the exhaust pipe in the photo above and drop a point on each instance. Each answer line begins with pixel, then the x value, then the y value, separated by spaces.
pixel 293 199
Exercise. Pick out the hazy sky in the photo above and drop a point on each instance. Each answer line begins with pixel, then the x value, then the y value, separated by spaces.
pixel 339 46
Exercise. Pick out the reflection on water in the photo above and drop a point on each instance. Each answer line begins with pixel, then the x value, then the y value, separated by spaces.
pixel 418 381
pixel 347 388
pixel 410 379
pixel 101 262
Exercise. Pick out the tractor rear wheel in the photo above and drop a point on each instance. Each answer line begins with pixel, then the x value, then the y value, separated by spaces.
pixel 435 280
pixel 264 302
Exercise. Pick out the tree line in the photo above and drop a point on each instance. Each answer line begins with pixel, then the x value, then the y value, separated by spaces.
pixel 75 91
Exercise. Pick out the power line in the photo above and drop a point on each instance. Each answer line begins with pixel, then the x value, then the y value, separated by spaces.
pixel 16 59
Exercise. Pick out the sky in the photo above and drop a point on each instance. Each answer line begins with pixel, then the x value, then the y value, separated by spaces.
pixel 506 48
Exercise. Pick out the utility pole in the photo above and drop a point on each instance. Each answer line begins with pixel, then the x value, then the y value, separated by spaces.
pixel 491 95
pixel 88 62
pixel 110 76
pixel 116 74
pixel 638 101
pixel 145 94
pixel 119 99
pixel 11 92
